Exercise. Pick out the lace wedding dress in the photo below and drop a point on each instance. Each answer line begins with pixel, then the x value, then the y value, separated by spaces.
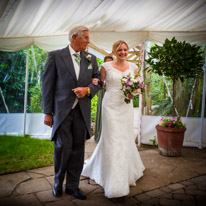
pixel 115 164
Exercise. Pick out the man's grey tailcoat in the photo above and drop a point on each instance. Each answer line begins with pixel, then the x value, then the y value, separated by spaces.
pixel 58 81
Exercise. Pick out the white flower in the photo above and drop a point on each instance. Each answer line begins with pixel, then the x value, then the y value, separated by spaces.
pixel 89 57
pixel 136 92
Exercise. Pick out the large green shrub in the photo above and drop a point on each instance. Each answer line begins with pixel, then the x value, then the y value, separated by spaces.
pixel 177 61
pixel 12 80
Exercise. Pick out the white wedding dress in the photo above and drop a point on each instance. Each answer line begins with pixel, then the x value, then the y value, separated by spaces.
pixel 115 163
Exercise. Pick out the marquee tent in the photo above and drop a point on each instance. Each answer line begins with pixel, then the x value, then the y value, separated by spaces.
pixel 45 23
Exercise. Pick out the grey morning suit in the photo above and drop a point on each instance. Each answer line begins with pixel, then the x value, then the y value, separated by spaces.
pixel 71 127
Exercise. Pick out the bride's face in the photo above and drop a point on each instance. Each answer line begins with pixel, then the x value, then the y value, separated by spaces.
pixel 122 52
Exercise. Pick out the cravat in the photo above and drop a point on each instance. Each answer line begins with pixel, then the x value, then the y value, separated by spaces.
pixel 77 58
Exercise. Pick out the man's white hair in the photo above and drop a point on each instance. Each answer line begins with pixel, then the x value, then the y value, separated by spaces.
pixel 77 30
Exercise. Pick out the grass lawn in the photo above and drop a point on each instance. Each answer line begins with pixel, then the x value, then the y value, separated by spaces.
pixel 18 153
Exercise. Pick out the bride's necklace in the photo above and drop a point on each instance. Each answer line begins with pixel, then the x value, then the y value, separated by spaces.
pixel 121 67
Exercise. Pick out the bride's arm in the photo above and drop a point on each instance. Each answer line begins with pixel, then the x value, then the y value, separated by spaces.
pixel 135 71
pixel 103 74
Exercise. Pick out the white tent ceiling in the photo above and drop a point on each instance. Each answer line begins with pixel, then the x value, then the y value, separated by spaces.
pixel 46 23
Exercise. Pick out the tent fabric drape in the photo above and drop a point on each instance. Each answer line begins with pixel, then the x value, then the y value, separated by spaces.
pixel 46 23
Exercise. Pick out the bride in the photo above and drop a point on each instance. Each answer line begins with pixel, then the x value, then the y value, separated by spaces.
pixel 115 163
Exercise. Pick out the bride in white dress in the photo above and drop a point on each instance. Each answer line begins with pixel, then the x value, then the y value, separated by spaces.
pixel 115 163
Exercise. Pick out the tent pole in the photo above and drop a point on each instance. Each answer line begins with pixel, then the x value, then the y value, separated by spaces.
pixel 26 90
pixel 203 105
pixel 140 96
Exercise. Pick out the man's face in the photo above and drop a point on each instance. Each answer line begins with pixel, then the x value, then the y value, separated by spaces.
pixel 82 42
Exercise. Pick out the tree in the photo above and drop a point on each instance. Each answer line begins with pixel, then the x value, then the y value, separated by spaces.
pixel 176 60
pixel 12 80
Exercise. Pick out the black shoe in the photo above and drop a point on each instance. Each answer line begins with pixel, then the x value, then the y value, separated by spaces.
pixel 56 192
pixel 77 193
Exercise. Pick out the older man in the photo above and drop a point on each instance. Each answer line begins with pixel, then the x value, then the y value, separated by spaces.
pixel 67 93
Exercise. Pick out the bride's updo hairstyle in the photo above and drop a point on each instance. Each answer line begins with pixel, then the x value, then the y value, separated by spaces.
pixel 117 44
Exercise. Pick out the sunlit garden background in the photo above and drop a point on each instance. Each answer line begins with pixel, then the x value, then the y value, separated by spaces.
pixel 156 99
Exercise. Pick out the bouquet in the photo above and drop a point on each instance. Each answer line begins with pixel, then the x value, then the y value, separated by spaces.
pixel 132 85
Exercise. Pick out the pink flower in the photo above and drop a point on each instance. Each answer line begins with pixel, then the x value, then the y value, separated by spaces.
pixel 139 79
pixel 127 82
pixel 169 124
pixel 141 85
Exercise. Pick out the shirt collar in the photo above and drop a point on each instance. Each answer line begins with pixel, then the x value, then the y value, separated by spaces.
pixel 72 51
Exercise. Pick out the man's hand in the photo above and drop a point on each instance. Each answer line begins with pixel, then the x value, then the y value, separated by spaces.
pixel 95 81
pixel 48 120
pixel 80 91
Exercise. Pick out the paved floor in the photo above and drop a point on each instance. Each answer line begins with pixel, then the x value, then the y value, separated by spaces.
pixel 166 181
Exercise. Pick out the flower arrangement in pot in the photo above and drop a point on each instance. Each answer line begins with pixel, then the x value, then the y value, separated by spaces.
pixel 170 133
pixel 177 61
pixel 172 122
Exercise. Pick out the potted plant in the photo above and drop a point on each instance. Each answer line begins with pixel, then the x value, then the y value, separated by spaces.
pixel 170 134
pixel 177 61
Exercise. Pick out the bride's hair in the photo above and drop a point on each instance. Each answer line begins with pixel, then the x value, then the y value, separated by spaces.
pixel 117 44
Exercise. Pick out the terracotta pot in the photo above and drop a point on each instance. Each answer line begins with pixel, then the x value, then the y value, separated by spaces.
pixel 170 140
